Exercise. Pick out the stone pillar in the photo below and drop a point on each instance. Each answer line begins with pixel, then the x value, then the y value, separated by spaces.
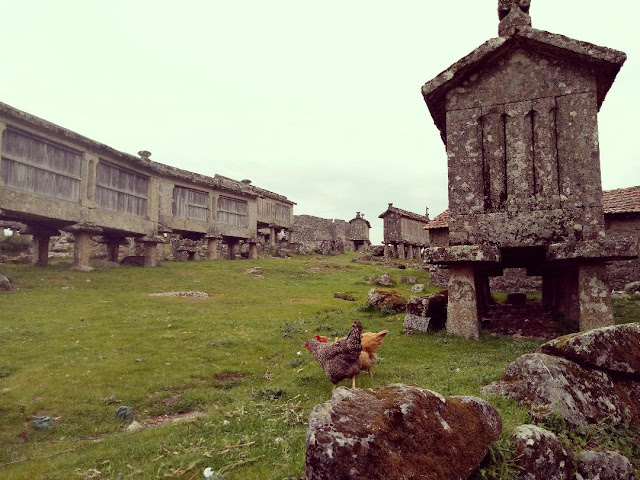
pixel 410 252
pixel 387 249
pixel 595 307
pixel 566 296
pixel 272 236
pixel 40 243
pixel 81 251
pixel 212 247
pixel 113 247
pixel 40 249
pixel 232 245
pixel 462 313
pixel 394 250
pixel 253 249
pixel 150 244
pixel 401 251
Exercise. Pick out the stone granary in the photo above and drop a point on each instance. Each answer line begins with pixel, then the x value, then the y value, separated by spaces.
pixel 621 216
pixel 518 116
pixel 358 233
pixel 53 179
pixel 404 236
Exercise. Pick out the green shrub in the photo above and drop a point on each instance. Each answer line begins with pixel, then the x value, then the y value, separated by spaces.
pixel 14 245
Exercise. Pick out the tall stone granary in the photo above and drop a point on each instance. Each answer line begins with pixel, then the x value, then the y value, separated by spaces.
pixel 518 116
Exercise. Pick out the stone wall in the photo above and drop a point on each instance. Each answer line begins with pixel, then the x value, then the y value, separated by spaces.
pixel 321 235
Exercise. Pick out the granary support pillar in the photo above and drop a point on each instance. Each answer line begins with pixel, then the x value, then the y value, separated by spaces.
pixel 82 233
pixel 595 309
pixel 232 244
pixel 150 244
pixel 212 245
pixel 113 247
pixel 40 249
pixel 410 252
pixel 401 254
pixel 272 235
pixel 463 319
pixel 253 249
pixel 40 243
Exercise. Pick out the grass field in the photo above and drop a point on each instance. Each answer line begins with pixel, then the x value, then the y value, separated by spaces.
pixel 222 382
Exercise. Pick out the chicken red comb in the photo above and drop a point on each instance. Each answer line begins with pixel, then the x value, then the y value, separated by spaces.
pixel 322 339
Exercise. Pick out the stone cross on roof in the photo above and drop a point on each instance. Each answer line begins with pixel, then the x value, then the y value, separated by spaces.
pixel 513 14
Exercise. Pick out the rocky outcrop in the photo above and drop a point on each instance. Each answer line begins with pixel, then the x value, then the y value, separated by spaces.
pixel 603 466
pixel 426 313
pixel 389 300
pixel 540 455
pixel 385 280
pixel 585 378
pixel 397 432
pixel 614 349
pixel 549 385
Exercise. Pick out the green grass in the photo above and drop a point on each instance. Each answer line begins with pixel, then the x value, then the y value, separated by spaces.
pixel 75 346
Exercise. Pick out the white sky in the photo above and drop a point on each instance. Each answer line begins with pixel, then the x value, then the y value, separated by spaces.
pixel 318 101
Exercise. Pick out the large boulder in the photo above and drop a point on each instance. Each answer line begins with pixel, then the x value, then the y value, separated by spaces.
pixel 603 466
pixel 616 349
pixel 552 385
pixel 390 300
pixel 540 455
pixel 398 432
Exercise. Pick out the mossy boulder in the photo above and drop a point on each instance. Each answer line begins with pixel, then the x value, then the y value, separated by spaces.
pixel 386 300
pixel 397 432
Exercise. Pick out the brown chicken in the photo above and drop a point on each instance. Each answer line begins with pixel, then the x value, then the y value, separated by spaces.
pixel 341 359
pixel 370 344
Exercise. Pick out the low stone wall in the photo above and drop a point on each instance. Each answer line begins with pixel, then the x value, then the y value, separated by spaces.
pixel 623 272
pixel 320 235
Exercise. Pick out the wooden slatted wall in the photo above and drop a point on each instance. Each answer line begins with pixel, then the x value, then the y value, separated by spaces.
pixel 41 167
pixel 188 203
pixel 283 212
pixel 121 190
pixel 232 211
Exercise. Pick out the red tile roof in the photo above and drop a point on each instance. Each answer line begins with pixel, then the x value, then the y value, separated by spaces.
pixel 441 221
pixel 620 200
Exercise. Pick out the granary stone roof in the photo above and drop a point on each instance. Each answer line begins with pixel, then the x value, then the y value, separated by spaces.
pixel 137 161
pixel 360 217
pixel 620 200
pixel 403 213
pixel 605 63
pixel 257 191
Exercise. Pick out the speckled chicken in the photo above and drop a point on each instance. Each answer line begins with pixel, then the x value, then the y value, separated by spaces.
pixel 340 359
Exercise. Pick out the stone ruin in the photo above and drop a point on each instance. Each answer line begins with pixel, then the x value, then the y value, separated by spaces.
pixel 518 117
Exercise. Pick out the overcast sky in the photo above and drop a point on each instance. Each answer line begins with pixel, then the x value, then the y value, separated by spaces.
pixel 318 101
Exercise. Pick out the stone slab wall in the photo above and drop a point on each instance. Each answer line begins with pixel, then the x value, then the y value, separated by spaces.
pixel 321 234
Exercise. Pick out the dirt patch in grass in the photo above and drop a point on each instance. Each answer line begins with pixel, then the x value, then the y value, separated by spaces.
pixel 229 377
pixel 302 300
pixel 175 417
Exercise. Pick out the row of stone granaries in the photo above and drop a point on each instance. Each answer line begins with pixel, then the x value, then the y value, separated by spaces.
pixel 621 215
pixel 57 184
